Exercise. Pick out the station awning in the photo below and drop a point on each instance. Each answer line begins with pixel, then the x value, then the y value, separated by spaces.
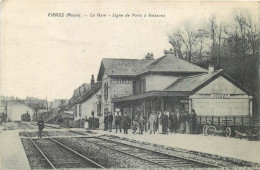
pixel 152 94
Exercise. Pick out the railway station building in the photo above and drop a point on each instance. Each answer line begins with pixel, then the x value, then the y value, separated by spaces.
pixel 86 99
pixel 138 86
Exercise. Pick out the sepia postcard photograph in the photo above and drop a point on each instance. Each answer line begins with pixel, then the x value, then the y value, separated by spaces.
pixel 91 84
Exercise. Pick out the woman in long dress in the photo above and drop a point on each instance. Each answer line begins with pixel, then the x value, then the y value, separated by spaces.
pixel 152 121
pixel 159 122
pixel 188 123
pixel 182 123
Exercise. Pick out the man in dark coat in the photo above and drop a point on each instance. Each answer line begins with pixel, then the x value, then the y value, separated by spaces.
pixel 165 120
pixel 40 124
pixel 194 121
pixel 141 125
pixel 106 122
pixel 171 119
pixel 125 123
pixel 118 120
pixel 110 121
pixel 135 124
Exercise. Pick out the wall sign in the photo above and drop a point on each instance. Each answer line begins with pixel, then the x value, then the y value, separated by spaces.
pixel 220 96
pixel 122 81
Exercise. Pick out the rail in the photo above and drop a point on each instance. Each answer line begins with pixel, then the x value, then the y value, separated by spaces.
pixel 156 160
pixel 68 148
pixel 45 157
pixel 159 158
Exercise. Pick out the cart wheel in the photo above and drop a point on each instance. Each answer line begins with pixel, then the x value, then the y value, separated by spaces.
pixel 205 127
pixel 211 130
pixel 228 132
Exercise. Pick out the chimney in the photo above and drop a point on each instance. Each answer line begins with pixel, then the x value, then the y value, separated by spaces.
pixel 92 81
pixel 149 56
pixel 211 68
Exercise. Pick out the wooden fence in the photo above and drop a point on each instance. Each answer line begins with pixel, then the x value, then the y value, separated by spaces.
pixel 226 120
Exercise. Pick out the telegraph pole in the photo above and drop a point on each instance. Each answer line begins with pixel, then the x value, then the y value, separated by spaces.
pixel 47 104
pixel 35 108
pixel 6 109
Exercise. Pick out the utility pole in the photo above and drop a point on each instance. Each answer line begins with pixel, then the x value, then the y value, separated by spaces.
pixel 47 104
pixel 6 109
pixel 35 108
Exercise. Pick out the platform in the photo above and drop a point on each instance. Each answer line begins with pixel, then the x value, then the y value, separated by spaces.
pixel 12 151
pixel 216 145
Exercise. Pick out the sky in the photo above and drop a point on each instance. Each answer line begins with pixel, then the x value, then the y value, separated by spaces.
pixel 49 57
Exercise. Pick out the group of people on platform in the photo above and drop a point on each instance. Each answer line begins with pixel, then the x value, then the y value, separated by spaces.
pixel 174 122
pixel 120 122
pixel 162 122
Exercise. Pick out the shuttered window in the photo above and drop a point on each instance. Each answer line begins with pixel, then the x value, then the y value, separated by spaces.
pixel 139 86
pixel 106 90
pixel 134 87
pixel 143 85
pixel 75 110
pixel 80 110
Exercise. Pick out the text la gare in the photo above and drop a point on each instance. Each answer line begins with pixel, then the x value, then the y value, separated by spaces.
pixel 98 15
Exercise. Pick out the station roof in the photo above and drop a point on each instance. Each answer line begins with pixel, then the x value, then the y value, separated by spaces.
pixel 124 67
pixel 171 63
pixel 134 67
pixel 190 83
pixel 81 89
pixel 194 83
pixel 88 93
pixel 150 94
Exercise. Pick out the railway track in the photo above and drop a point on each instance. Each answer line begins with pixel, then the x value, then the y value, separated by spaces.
pixel 155 157
pixel 58 155
pixel 25 126
pixel 34 124
pixel 53 127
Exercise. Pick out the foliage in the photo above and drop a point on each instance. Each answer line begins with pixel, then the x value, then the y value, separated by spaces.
pixel 232 46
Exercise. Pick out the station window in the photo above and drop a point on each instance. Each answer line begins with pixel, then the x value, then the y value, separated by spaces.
pixel 134 87
pixel 139 86
pixel 80 110
pixel 75 110
pixel 143 82
pixel 106 90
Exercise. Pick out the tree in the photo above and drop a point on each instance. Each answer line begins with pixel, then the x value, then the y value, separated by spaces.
pixel 176 41
pixel 183 42
pixel 232 46
pixel 189 39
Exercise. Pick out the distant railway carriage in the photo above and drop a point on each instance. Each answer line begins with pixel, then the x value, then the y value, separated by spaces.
pixel 26 117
